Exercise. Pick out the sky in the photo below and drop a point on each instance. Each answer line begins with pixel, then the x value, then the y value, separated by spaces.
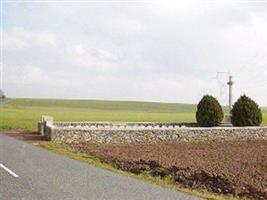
pixel 163 51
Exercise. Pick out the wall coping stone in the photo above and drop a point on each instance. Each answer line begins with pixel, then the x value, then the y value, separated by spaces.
pixel 157 128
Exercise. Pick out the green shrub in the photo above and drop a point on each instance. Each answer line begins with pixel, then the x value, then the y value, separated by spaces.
pixel 209 112
pixel 246 112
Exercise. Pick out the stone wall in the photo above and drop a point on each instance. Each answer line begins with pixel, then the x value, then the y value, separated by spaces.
pixel 143 132
pixel 139 135
pixel 44 125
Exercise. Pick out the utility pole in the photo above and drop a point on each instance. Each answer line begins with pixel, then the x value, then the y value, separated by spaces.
pixel 230 84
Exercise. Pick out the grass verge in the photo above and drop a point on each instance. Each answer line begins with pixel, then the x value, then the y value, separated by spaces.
pixel 166 182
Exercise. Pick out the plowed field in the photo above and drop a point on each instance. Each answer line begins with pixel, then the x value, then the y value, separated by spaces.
pixel 225 167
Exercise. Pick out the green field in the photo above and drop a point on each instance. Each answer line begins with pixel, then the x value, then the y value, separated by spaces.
pixel 23 114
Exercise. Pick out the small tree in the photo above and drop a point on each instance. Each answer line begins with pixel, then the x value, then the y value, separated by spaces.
pixel 209 112
pixel 246 112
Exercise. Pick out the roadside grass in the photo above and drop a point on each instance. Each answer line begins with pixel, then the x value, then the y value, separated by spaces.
pixel 166 182
pixel 23 114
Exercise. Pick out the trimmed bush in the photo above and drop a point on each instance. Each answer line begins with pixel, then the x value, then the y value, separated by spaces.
pixel 209 112
pixel 246 112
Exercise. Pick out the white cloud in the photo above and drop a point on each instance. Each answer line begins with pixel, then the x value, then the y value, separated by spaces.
pixel 146 51
pixel 20 39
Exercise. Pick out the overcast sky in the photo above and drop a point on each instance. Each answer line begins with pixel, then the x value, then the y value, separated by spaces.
pixel 146 50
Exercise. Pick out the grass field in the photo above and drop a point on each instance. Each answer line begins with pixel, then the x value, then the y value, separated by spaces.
pixel 23 114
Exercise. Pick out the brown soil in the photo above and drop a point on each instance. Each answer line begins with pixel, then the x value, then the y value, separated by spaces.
pixel 225 167
pixel 33 137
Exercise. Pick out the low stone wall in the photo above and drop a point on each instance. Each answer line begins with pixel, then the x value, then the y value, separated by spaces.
pixel 48 132
pixel 45 126
pixel 124 124
pixel 76 132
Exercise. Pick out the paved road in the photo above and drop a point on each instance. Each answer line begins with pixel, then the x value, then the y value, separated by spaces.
pixel 45 175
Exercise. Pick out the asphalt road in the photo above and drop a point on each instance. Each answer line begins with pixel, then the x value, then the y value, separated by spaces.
pixel 45 175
